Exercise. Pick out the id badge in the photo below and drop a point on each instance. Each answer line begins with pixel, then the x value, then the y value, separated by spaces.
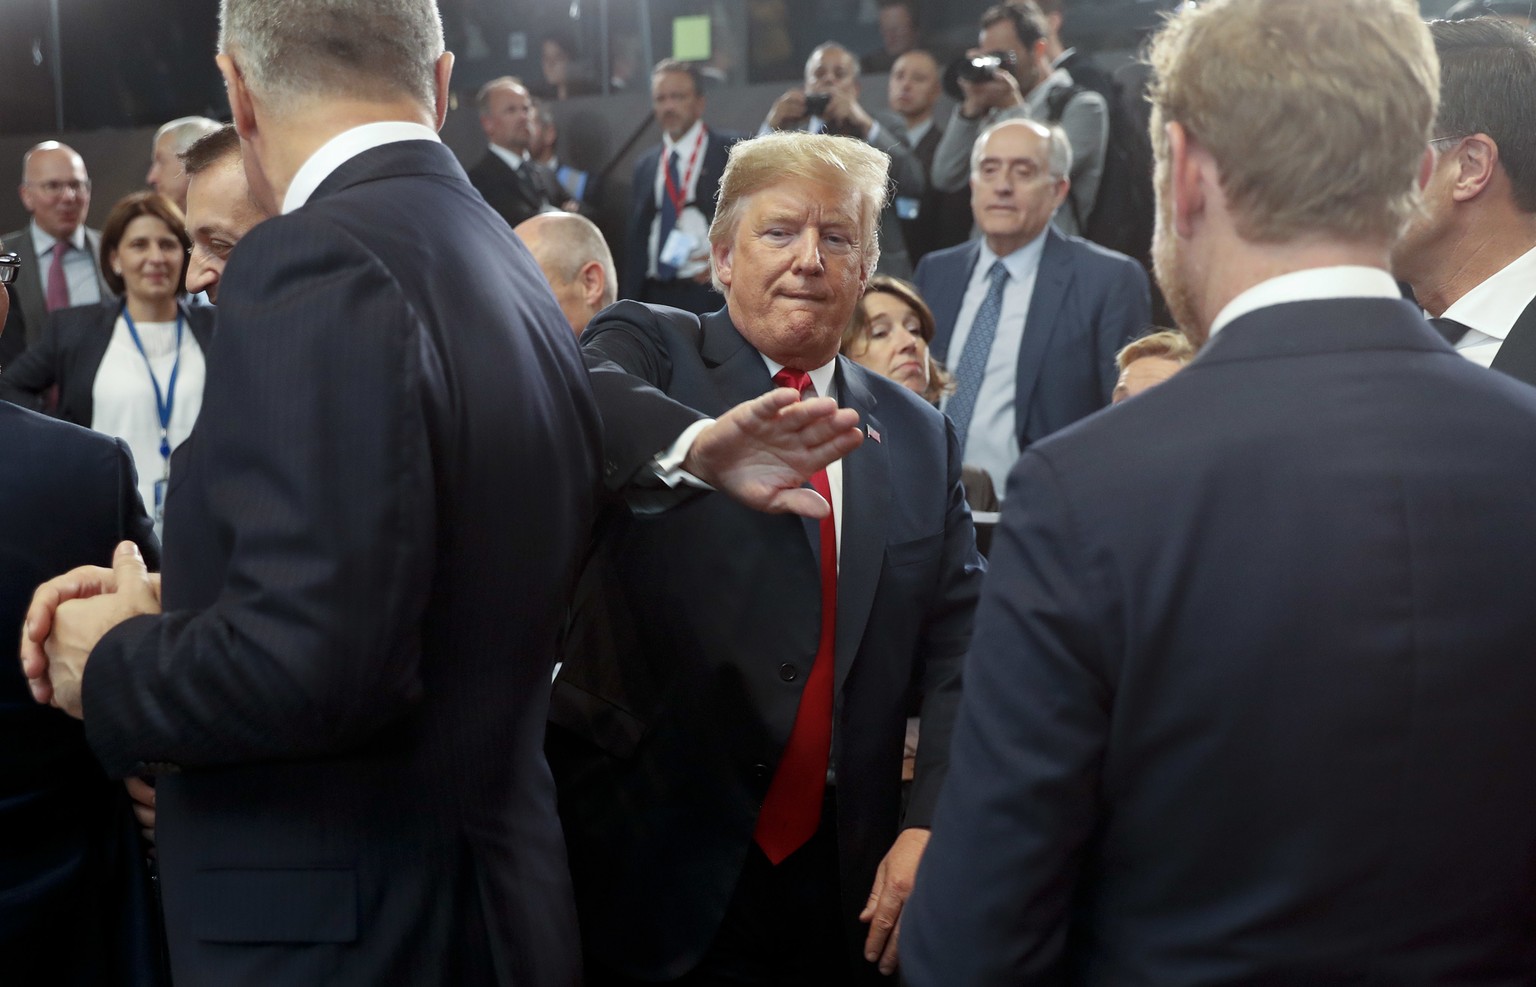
pixel 677 250
pixel 160 501
pixel 907 207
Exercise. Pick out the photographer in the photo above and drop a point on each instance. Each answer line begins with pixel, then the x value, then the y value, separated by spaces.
pixel 1010 76
pixel 829 104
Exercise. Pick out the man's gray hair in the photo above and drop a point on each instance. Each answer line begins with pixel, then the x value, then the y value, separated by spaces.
pixel 1059 160
pixel 185 132
pixel 325 48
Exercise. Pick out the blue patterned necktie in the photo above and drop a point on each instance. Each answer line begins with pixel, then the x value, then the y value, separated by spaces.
pixel 665 271
pixel 973 362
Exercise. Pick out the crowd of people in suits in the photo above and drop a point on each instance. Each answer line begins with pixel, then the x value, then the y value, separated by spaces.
pixel 500 613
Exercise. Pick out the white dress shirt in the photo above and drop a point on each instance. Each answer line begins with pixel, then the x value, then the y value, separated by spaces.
pixel 691 148
pixel 1491 309
pixel 123 397
pixel 343 148
pixel 79 265
pixel 1314 284
pixel 992 441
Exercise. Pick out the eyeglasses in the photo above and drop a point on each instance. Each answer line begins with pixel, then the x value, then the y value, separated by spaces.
pixel 9 265
pixel 56 188
pixel 1441 143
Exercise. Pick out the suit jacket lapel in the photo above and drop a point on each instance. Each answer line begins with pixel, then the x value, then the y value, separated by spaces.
pixel 946 310
pixel 1517 356
pixel 29 289
pixel 1051 281
pixel 866 499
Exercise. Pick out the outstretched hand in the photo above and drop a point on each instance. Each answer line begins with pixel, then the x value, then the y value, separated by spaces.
pixel 72 612
pixel 762 451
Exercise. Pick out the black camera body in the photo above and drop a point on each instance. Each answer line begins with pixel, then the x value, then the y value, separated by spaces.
pixel 816 104
pixel 977 68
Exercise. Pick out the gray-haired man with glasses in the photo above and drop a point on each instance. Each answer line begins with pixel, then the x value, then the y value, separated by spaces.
pixel 58 252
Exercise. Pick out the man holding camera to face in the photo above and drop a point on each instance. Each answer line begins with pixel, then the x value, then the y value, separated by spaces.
pixel 1010 76
pixel 829 104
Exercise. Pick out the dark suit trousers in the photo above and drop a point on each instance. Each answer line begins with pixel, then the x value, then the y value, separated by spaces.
pixel 784 926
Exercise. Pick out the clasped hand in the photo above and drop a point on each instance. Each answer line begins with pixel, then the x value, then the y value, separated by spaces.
pixel 71 613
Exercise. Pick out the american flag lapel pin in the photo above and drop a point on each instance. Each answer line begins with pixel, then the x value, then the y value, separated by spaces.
pixel 873 434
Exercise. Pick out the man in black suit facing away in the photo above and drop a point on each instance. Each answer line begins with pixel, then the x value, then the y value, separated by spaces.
pixel 345 696
pixel 75 901
pixel 728 726
pixel 672 198
pixel 1471 254
pixel 1250 698
pixel 512 182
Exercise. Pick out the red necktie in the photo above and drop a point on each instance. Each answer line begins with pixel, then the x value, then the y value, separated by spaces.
pixel 58 285
pixel 792 809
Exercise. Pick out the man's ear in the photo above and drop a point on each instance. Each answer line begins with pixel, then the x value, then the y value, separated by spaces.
pixel 720 253
pixel 1477 160
pixel 442 72
pixel 1186 178
pixel 242 108
pixel 593 282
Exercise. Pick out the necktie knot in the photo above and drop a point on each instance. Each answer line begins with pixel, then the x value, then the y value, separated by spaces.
pixel 789 377
pixel 997 275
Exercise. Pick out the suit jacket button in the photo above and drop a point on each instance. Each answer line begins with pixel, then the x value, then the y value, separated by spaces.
pixel 788 672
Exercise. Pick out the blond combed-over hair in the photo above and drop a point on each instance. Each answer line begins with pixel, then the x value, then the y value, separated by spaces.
pixel 1316 111
pixel 772 159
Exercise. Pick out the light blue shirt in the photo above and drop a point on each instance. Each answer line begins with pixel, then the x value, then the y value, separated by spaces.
pixel 992 441
pixel 80 266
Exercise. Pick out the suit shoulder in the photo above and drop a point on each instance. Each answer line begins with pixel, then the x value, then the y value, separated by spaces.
pixel 954 256
pixel 1088 253
pixel 65 440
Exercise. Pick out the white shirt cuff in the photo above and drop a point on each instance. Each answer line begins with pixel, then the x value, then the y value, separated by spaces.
pixel 668 463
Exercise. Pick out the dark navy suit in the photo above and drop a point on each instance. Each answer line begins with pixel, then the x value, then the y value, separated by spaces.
pixel 75 904
pixel 373 532
pixel 633 282
pixel 1250 697
pixel 1088 303
pixel 693 632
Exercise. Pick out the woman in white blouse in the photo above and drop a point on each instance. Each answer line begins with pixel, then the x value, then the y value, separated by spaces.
pixel 130 366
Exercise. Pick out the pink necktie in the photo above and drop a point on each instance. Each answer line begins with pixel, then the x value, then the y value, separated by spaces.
pixel 792 808
pixel 58 284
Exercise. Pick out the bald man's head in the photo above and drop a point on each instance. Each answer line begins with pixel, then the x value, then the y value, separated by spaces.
pixel 576 261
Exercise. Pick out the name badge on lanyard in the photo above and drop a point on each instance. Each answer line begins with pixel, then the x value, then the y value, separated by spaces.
pixel 165 403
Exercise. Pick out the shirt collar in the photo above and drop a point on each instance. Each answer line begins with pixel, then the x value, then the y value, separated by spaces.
pixel 822 378
pixel 1313 284
pixel 1065 54
pixel 512 158
pixel 1493 307
pixel 916 132
pixel 1019 263
pixel 43 242
pixel 686 141
pixel 343 148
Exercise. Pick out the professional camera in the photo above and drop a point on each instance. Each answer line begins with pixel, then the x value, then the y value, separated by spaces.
pixel 816 104
pixel 977 68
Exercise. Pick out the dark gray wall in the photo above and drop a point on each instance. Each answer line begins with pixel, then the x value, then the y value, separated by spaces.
pixel 593 130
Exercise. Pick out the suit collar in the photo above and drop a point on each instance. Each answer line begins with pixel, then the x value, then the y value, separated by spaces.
pixel 1053 277
pixel 1336 325
pixel 342 149
pixel 1517 355
pixel 866 503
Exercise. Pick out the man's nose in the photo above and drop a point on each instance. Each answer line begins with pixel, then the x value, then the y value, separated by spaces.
pixel 808 253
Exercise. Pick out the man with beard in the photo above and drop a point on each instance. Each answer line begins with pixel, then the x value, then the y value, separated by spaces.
pixel 1249 699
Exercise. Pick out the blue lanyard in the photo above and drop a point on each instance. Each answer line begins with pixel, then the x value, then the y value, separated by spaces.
pixel 164 403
